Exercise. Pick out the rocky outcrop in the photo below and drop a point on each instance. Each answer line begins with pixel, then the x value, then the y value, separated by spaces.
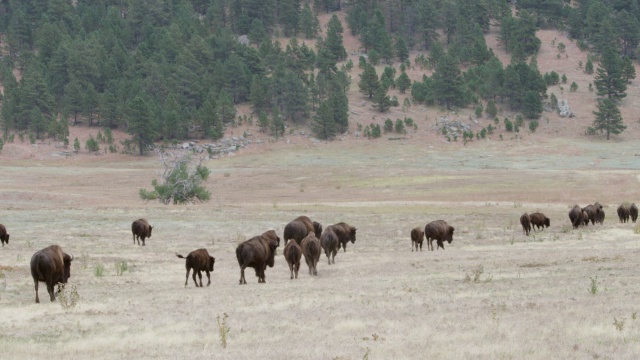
pixel 563 108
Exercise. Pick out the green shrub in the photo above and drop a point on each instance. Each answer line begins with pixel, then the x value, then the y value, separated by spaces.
pixel 92 145
pixel 400 127
pixel 533 125
pixel 388 125
pixel 508 125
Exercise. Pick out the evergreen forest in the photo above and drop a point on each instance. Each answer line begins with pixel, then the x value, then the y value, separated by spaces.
pixel 170 70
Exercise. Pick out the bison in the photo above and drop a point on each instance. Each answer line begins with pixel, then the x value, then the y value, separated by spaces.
pixel 440 231
pixel 141 230
pixel 585 218
pixel 4 236
pixel 633 211
pixel 576 216
pixel 417 237
pixel 525 221
pixel 257 252
pixel 623 213
pixel 539 221
pixel 293 253
pixel 300 227
pixel 311 250
pixel 198 260
pixel 600 213
pixel 330 243
pixel 51 265
pixel 345 234
pixel 593 212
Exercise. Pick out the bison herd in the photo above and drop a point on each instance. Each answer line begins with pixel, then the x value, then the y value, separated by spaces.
pixel 302 237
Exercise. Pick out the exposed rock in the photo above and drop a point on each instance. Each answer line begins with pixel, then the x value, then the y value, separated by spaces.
pixel 563 108
pixel 244 40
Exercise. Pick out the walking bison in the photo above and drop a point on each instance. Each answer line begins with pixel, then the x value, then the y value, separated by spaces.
pixel 311 250
pixel 4 236
pixel 624 213
pixel 600 213
pixel 417 237
pixel 258 253
pixel 539 221
pixel 633 211
pixel 198 260
pixel 525 221
pixel 141 230
pixel 330 244
pixel 52 266
pixel 293 253
pixel 593 212
pixel 577 216
pixel 345 233
pixel 300 227
pixel 440 231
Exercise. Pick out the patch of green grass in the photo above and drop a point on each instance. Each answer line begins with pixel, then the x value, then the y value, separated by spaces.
pixel 99 270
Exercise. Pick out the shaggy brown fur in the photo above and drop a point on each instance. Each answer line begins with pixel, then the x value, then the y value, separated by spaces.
pixel 633 211
pixel 198 260
pixel 525 221
pixel 593 213
pixel 293 253
pixel 294 229
pixel 258 253
pixel 417 237
pixel 539 221
pixel 330 243
pixel 51 265
pixel 345 233
pixel 623 213
pixel 576 216
pixel 440 231
pixel 4 237
pixel 141 230
pixel 311 250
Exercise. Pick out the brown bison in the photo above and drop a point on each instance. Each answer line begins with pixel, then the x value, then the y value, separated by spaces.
pixel 311 250
pixel 198 260
pixel 51 265
pixel 539 221
pixel 300 227
pixel 623 213
pixel 600 213
pixel 576 216
pixel 633 211
pixel 440 231
pixel 330 243
pixel 585 218
pixel 417 237
pixel 257 252
pixel 525 221
pixel 141 230
pixel 293 253
pixel 345 234
pixel 593 212
pixel 4 237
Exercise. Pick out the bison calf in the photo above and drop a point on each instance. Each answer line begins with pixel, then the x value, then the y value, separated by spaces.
pixel 258 253
pixel 52 266
pixel 293 253
pixel 440 231
pixel 525 221
pixel 417 237
pixel 330 243
pixel 539 221
pixel 198 260
pixel 4 236
pixel 623 213
pixel 141 230
pixel 311 250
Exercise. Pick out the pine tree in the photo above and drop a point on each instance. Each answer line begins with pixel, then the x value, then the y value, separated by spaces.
pixel 609 79
pixel 139 123
pixel 369 82
pixel 608 117
pixel 323 123
pixel 333 42
pixel 402 52
pixel 448 83
pixel 403 82
pixel 628 70
pixel 532 107
pixel 588 67
pixel 277 124
pixel 263 121
pixel 381 100
pixel 308 22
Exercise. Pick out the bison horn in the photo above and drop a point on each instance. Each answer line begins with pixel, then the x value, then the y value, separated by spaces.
pixel 71 257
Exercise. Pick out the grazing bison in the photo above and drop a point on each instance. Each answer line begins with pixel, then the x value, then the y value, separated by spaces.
pixel 576 216
pixel 311 250
pixel 51 265
pixel 257 252
pixel 293 253
pixel 417 237
pixel 593 213
pixel 525 221
pixel 330 243
pixel 198 260
pixel 539 221
pixel 300 227
pixel 4 237
pixel 141 230
pixel 345 234
pixel 633 211
pixel 440 231
pixel 623 213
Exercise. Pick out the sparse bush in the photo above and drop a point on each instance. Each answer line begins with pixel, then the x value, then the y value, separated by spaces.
pixel 533 125
pixel 619 324
pixel 591 130
pixel 376 132
pixel 519 120
pixel 491 110
pixel 573 87
pixel 76 145
pixel 561 47
pixel 121 267
pixel 476 274
pixel 593 289
pixel 553 100
pixel 99 270
pixel 564 78
pixel 223 329
pixel 636 229
pixel 388 125
pixel 92 145
pixel 400 126
pixel 508 125
pixel 479 110
pixel 68 298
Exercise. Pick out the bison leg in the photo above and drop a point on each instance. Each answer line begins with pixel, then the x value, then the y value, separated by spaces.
pixel 143 241
pixel 51 293
pixel 333 257
pixel 208 277
pixel 187 279
pixel 199 276
pixel 242 280
pixel 297 268
pixel 291 269
pixel 344 246
pixel 35 283
pixel 440 244
pixel 420 246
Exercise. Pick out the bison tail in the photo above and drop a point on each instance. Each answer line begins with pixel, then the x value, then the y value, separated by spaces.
pixel 239 255
pixel 180 256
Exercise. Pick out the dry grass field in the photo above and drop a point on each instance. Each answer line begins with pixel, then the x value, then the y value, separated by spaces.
pixel 493 293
